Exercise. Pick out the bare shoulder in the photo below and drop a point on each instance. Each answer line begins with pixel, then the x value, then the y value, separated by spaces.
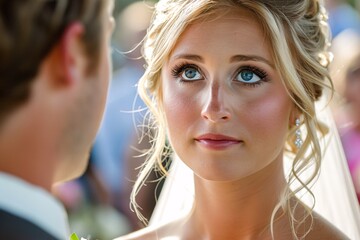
pixel 152 232
pixel 323 229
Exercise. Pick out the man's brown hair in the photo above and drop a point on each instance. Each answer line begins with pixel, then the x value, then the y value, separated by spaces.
pixel 29 29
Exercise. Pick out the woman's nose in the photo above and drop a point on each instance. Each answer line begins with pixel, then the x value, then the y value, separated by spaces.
pixel 215 109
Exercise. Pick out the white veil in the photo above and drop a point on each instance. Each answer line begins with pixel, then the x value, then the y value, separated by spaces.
pixel 334 192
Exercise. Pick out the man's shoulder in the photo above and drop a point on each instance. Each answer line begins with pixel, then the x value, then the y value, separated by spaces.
pixel 33 207
pixel 15 227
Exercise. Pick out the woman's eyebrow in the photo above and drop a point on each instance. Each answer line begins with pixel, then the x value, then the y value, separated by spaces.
pixel 242 58
pixel 188 57
pixel 236 58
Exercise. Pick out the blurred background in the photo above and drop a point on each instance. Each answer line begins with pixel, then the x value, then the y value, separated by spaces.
pixel 98 202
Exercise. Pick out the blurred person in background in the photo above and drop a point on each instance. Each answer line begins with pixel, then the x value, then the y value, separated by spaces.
pixel 124 110
pixel 125 116
pixel 55 68
pixel 342 16
pixel 345 71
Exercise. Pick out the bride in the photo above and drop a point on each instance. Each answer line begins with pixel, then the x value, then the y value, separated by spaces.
pixel 232 85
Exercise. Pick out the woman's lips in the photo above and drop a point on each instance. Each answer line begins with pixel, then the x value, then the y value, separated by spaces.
pixel 217 141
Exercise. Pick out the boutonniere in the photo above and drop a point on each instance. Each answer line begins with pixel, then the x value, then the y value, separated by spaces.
pixel 75 237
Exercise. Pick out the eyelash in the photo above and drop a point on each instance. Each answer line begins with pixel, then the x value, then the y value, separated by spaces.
pixel 179 69
pixel 259 72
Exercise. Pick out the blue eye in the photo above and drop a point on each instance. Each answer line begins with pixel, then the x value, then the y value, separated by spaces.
pixel 187 72
pixel 248 76
pixel 191 73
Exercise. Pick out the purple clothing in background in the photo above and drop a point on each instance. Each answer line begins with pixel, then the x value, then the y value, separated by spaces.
pixel 350 139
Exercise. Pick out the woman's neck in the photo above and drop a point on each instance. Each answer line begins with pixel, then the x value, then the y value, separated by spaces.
pixel 237 210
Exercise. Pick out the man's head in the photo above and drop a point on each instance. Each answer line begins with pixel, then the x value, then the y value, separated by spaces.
pixel 54 73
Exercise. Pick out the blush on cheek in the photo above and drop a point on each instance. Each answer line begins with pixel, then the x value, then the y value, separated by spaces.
pixel 270 117
pixel 181 111
pixel 177 109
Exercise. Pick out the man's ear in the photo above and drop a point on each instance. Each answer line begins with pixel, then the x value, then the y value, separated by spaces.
pixel 66 62
pixel 72 57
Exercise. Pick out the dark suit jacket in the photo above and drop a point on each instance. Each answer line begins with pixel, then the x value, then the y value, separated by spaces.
pixel 16 228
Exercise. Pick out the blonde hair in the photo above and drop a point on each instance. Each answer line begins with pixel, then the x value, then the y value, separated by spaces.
pixel 303 23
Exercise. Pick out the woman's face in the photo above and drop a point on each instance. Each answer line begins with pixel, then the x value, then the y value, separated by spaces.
pixel 226 107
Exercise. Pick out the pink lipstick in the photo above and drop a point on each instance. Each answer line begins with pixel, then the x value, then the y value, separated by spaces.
pixel 217 141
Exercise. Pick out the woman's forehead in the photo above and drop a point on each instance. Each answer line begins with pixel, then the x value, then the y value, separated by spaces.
pixel 238 31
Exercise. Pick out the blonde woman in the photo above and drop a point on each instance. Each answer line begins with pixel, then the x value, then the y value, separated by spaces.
pixel 231 84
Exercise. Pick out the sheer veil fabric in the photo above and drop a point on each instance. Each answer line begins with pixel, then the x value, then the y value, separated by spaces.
pixel 335 197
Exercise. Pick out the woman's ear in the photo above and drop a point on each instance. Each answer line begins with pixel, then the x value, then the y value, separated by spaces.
pixel 295 114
